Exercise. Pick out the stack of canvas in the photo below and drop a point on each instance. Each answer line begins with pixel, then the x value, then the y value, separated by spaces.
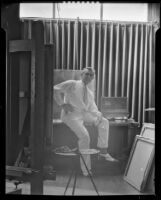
pixel 141 159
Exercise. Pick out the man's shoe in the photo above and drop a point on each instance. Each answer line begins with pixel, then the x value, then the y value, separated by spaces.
pixel 108 157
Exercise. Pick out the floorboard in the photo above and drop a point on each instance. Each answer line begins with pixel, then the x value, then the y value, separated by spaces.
pixel 106 185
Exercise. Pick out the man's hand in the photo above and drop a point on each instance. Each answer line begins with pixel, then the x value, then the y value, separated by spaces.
pixel 67 107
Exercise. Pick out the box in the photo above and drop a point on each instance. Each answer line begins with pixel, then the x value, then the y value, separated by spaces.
pixel 115 107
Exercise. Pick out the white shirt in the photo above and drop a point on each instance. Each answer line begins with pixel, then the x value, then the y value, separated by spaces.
pixel 73 94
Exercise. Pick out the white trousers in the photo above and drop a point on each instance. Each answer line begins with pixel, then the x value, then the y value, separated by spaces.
pixel 76 121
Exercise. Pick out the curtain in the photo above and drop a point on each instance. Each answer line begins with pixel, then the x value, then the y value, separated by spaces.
pixel 122 54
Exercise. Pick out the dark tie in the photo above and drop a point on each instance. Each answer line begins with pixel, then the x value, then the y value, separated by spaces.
pixel 85 99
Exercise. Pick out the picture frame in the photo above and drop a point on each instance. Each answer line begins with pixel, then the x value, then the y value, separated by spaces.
pixel 148 131
pixel 140 162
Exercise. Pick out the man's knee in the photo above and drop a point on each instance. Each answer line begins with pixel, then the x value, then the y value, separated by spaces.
pixel 85 138
pixel 104 123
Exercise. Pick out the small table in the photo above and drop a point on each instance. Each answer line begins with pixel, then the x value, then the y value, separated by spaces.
pixel 79 154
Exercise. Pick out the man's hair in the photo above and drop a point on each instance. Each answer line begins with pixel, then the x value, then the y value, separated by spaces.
pixel 89 69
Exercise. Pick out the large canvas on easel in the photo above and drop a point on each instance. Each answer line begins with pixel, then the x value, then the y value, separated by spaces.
pixel 139 163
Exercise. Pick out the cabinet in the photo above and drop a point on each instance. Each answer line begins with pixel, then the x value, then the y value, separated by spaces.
pixel 121 137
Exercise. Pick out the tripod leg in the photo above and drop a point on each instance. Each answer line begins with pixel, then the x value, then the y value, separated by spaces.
pixel 75 179
pixel 89 174
pixel 68 181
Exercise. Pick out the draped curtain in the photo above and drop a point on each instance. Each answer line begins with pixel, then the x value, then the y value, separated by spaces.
pixel 122 54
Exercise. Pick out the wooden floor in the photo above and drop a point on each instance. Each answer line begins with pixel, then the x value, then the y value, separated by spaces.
pixel 106 185
pixel 108 178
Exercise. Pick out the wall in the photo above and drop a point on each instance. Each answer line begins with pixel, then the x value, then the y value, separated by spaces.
pixel 11 25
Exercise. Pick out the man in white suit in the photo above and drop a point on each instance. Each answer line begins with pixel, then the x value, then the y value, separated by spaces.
pixel 78 106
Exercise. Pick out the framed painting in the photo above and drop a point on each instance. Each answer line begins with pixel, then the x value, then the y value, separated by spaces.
pixel 140 162
pixel 148 131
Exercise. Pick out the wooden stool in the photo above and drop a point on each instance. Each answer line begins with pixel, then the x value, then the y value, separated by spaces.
pixel 79 154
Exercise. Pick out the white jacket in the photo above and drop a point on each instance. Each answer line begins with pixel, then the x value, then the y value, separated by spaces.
pixel 73 94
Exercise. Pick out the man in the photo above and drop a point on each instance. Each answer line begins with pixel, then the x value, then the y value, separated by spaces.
pixel 78 106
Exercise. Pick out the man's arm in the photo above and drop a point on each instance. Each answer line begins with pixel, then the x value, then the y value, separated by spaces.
pixel 93 109
pixel 63 87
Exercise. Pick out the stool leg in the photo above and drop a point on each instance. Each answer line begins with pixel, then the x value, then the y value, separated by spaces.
pixel 68 181
pixel 89 174
pixel 75 179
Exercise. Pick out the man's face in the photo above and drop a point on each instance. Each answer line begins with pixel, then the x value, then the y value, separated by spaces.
pixel 87 76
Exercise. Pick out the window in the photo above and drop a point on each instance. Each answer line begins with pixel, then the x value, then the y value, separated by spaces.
pixel 81 10
pixel 88 11
pixel 43 10
pixel 125 11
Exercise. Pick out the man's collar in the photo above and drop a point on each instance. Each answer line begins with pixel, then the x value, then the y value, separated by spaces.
pixel 83 83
